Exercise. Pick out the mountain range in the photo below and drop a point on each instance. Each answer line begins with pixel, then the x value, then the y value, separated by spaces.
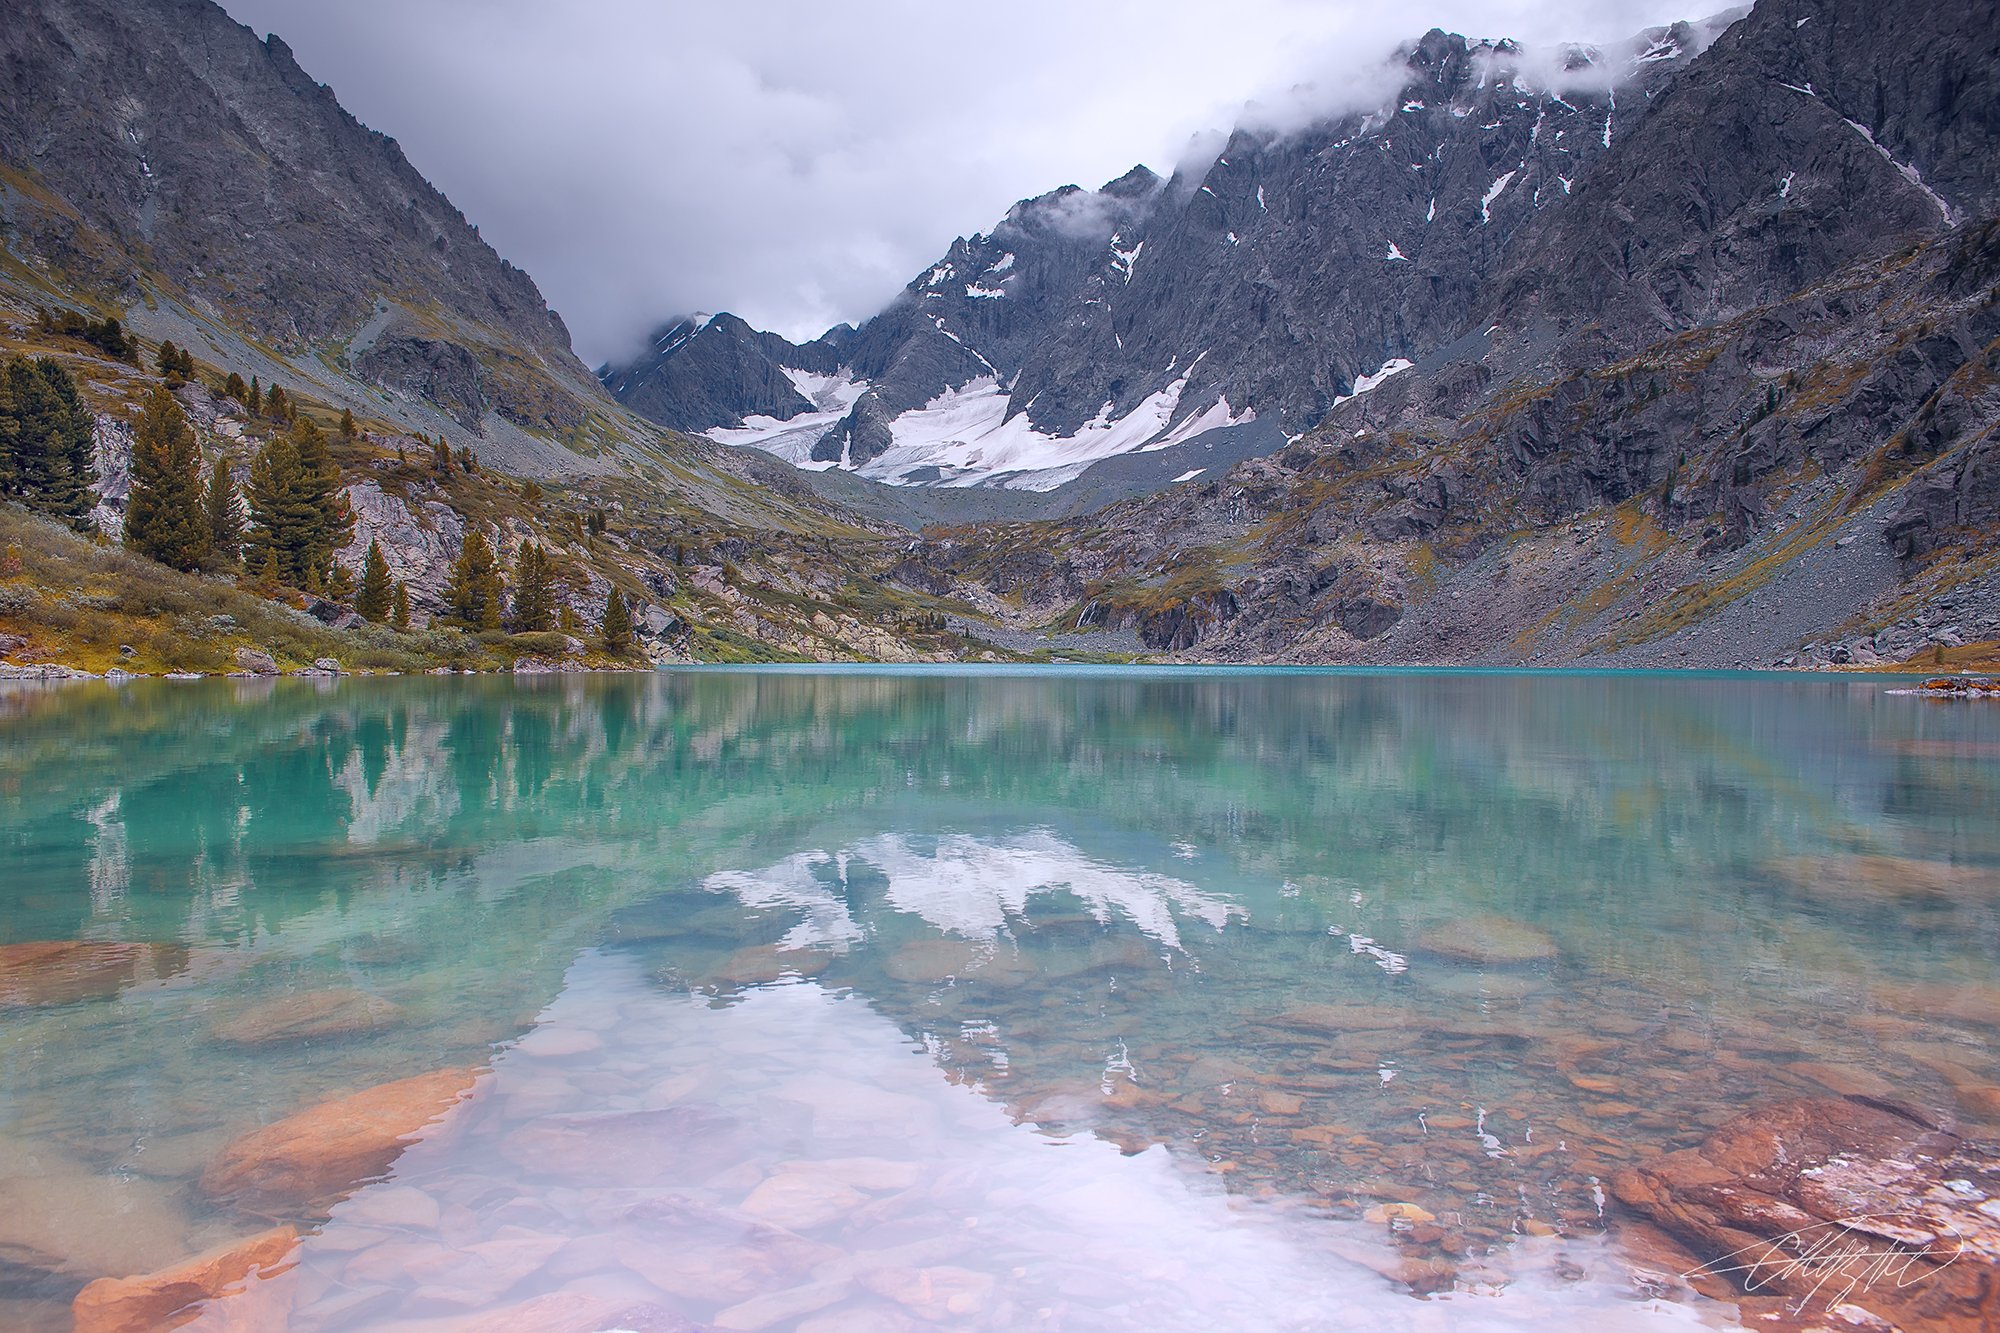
pixel 1679 351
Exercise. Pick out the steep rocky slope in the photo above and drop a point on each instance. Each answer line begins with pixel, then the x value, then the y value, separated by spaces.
pixel 1731 400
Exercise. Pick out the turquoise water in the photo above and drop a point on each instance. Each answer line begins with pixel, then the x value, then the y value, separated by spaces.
pixel 868 999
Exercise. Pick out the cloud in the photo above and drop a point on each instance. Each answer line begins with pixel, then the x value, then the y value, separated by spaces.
pixel 796 162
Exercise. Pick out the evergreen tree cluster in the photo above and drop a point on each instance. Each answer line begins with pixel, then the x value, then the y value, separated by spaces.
pixel 299 517
pixel 45 440
pixel 176 364
pixel 106 335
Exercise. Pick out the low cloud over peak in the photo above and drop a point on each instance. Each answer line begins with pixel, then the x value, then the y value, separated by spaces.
pixel 795 162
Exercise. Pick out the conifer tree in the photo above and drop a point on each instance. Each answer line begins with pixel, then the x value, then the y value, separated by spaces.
pixel 45 440
pixel 164 517
pixel 225 517
pixel 534 590
pixel 399 608
pixel 474 595
pixel 278 405
pixel 339 582
pixel 566 621
pixel 297 510
pixel 373 601
pixel 255 402
pixel 346 424
pixel 169 362
pixel 236 388
pixel 617 624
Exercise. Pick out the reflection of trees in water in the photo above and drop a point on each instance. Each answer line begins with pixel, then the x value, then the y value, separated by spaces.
pixel 1516 794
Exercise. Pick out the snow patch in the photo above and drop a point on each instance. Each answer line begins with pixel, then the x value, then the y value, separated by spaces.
pixel 1189 475
pixel 1909 173
pixel 793 440
pixel 1123 260
pixel 1430 214
pixel 1785 185
pixel 1002 264
pixel 1365 383
pixel 988 292
pixel 1260 196
pixel 1492 193
pixel 1396 253
pixel 1413 106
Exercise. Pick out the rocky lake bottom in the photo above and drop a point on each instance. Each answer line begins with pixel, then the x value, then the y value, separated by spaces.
pixel 1079 999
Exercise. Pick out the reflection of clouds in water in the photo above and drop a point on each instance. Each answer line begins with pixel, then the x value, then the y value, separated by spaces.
pixel 793 883
pixel 971 886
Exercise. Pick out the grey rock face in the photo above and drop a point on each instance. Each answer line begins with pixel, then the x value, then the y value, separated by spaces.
pixel 706 371
pixel 1270 279
pixel 176 148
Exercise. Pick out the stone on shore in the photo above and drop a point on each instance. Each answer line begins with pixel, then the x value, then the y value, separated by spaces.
pixel 1830 1201
pixel 165 1299
pixel 313 1157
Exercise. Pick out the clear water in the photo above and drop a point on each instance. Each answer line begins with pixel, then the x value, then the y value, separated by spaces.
pixel 875 1000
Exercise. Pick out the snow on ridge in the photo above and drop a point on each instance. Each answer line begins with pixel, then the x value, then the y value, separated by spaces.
pixel 1002 264
pixel 964 437
pixel 974 289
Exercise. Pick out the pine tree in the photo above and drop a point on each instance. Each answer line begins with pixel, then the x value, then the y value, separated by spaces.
pixel 236 388
pixel 269 580
pixel 373 601
pixel 346 424
pixel 164 517
pixel 617 624
pixel 297 509
pixel 399 608
pixel 474 595
pixel 339 582
pixel 225 517
pixel 255 402
pixel 534 590
pixel 566 621
pixel 169 363
pixel 278 405
pixel 45 440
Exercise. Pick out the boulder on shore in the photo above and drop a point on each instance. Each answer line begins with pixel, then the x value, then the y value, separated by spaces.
pixel 1838 1201
pixel 312 1158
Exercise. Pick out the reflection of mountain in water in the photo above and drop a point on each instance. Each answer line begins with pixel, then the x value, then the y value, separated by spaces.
pixel 969 886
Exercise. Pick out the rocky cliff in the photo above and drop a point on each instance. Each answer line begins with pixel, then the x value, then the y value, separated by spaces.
pixel 159 154
pixel 1729 399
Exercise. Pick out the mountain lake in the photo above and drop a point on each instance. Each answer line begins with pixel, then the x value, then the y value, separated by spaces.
pixel 1000 999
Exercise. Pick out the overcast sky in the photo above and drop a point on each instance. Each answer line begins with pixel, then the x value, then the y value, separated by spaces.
pixel 798 161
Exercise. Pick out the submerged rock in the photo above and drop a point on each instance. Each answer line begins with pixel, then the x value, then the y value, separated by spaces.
pixel 1488 939
pixel 64 1217
pixel 153 1300
pixel 318 1154
pixel 46 972
pixel 327 1013
pixel 1882 878
pixel 1837 1202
